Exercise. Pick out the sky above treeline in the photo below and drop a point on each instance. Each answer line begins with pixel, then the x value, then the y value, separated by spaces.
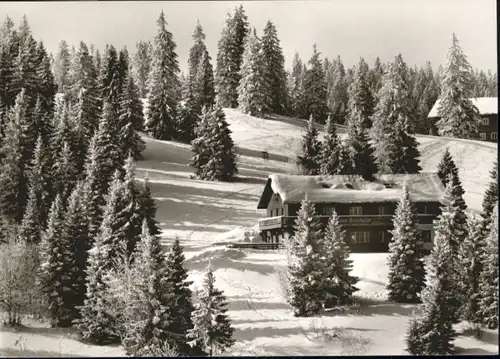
pixel 420 30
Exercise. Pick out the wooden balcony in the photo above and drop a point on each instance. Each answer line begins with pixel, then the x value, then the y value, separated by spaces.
pixel 287 222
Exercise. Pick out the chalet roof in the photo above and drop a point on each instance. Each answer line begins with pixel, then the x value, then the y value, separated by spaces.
pixel 485 105
pixel 423 187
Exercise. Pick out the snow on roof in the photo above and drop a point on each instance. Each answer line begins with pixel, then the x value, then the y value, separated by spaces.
pixel 423 187
pixel 485 105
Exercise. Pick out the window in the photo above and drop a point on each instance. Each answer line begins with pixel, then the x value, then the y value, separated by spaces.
pixel 382 209
pixel 494 136
pixel 426 236
pixel 383 235
pixel 360 237
pixel 355 211
pixel 423 209
pixel 482 136
pixel 485 121
pixel 327 210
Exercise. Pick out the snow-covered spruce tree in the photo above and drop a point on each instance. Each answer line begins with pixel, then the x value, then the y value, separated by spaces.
pixel 214 157
pixel 330 156
pixel 360 98
pixel 24 75
pixel 147 208
pixel 392 134
pixel 309 159
pixel 46 86
pixel 274 69
pixel 163 86
pixel 339 285
pixel 337 98
pixel 306 277
pixel 41 121
pixel 406 267
pixel 56 263
pixel 108 77
pixel 30 230
pixel 490 198
pixel 61 67
pixel 131 121
pixel 96 323
pixel 149 327
pixel 375 75
pixel 470 255
pixel 131 210
pixel 65 172
pixel 295 87
pixel 88 102
pixel 447 167
pixel 253 89
pixel 212 332
pixel 181 310
pixel 13 163
pixel 314 88
pixel 230 49
pixel 123 70
pixel 432 333
pixel 459 117
pixel 360 149
pixel 142 66
pixel 488 287
pixel 205 81
pixel 196 53
pixel 448 229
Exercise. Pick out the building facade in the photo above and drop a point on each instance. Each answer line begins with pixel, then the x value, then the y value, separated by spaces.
pixel 488 109
pixel 365 209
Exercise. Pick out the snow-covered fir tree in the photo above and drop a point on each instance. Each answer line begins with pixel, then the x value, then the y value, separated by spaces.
pixel 46 86
pixel 488 286
pixel 309 158
pixel 75 231
pixel 164 85
pixel 337 97
pixel 214 157
pixel 149 327
pixel 432 332
pixel 314 87
pixel 61 67
pixel 253 89
pixel 305 272
pixel 108 76
pixel 448 228
pixel 30 230
pixel 360 98
pixel 406 267
pixel 147 208
pixel 230 49
pixel 131 121
pixel 131 211
pixel 212 332
pixel 393 137
pixel 330 156
pixel 471 252
pixel 65 172
pixel 13 161
pixel 274 69
pixel 142 66
pixel 447 167
pixel 459 117
pixel 96 323
pixel 361 152
pixel 181 310
pixel 490 198
pixel 295 87
pixel 24 75
pixel 56 264
pixel 338 283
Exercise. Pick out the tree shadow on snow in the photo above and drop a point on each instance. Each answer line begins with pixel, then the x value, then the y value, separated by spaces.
pixel 248 334
pixel 369 307
pixel 488 336
pixel 237 305
pixel 473 351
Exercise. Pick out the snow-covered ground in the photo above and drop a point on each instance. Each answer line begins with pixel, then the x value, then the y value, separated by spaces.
pixel 203 213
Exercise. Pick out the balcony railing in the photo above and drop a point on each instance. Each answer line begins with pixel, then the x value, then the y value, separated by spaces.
pixel 385 219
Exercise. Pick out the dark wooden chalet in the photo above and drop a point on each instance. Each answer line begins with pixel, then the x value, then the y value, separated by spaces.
pixel 365 208
pixel 488 110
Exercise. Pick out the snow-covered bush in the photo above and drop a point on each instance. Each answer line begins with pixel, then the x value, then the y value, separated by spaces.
pixel 18 290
